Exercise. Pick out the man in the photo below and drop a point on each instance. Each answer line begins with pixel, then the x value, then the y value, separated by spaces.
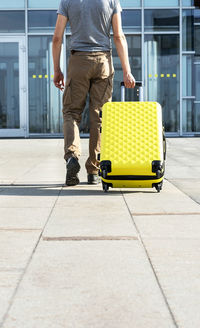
pixel 90 70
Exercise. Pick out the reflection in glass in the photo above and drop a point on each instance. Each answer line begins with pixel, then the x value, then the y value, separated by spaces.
pixel 162 77
pixel 161 20
pixel 9 85
pixel 17 4
pixel 12 21
pixel 131 20
pixel 188 30
pixel 187 75
pixel 45 100
pixel 41 21
pixel 197 42
pixel 197 81
pixel 187 3
pixel 135 58
pixel 163 3
pixel 197 16
pixel 196 119
pixel 43 4
pixel 191 116
pixel 130 4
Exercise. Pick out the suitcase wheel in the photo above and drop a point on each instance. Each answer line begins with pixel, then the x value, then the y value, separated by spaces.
pixel 158 186
pixel 104 174
pixel 105 186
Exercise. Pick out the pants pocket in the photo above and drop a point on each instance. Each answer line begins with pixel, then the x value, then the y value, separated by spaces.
pixel 108 90
pixel 67 93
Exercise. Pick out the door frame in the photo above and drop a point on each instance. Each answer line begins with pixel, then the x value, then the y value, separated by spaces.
pixel 21 131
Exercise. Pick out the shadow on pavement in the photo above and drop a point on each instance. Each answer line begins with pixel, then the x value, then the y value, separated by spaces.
pixel 62 190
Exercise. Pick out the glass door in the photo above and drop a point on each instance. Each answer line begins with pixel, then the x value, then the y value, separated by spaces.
pixel 162 76
pixel 12 87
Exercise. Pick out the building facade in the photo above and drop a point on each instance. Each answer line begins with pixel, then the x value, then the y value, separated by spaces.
pixel 164 49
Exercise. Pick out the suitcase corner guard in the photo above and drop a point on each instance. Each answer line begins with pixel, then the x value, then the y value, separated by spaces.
pixel 158 168
pixel 105 168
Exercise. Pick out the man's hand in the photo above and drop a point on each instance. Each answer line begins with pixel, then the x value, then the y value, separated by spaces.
pixel 59 80
pixel 129 80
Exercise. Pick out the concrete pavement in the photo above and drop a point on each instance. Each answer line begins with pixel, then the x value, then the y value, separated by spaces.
pixel 75 257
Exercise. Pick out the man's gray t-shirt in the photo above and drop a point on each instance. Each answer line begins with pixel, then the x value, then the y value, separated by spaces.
pixel 90 22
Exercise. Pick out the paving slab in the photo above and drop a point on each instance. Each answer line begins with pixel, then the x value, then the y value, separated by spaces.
pixel 169 200
pixel 177 266
pixel 47 170
pixel 89 284
pixel 8 283
pixel 104 217
pixel 169 226
pixel 23 218
pixel 16 248
pixel 178 172
pixel 26 155
pixel 19 167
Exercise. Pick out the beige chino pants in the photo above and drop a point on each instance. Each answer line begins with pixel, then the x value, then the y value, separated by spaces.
pixel 88 72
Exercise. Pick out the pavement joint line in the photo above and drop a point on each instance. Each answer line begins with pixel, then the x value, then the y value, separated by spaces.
pixel 151 265
pixel 28 263
pixel 158 214
pixel 88 238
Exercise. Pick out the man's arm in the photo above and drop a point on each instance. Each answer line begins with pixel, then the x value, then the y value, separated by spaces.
pixel 122 50
pixel 56 49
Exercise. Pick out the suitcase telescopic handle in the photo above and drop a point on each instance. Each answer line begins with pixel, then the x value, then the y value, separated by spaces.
pixel 139 89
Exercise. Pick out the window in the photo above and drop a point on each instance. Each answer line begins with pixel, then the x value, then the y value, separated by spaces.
pixel 43 4
pixel 197 16
pixel 130 4
pixel 45 100
pixel 131 20
pixel 191 116
pixel 187 3
pixel 40 21
pixel 13 4
pixel 161 20
pixel 134 46
pixel 197 42
pixel 162 77
pixel 188 30
pixel 9 85
pixel 163 3
pixel 187 75
pixel 12 21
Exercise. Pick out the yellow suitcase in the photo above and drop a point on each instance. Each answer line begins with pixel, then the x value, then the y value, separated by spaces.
pixel 133 145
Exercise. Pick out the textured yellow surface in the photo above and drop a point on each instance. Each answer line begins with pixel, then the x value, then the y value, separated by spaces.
pixel 132 137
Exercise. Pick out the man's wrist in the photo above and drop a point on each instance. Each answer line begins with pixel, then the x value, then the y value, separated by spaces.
pixel 125 73
pixel 57 70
